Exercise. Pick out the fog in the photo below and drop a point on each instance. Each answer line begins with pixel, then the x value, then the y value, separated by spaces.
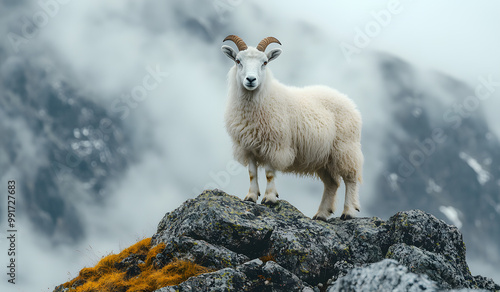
pixel 107 49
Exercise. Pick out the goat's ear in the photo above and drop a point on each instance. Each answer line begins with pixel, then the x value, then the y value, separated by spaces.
pixel 273 54
pixel 230 52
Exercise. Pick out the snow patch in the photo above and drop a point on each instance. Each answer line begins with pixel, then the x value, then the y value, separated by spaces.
pixel 452 215
pixel 482 175
pixel 392 178
pixel 433 187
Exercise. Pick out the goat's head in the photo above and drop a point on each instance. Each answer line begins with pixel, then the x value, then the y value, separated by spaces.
pixel 251 62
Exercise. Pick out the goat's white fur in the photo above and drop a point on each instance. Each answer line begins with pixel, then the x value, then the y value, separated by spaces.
pixel 313 130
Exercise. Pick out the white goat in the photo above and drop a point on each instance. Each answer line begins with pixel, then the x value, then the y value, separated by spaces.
pixel 313 130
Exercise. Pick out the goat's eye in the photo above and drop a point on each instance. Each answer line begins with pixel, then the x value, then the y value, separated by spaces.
pixel 265 63
pixel 238 61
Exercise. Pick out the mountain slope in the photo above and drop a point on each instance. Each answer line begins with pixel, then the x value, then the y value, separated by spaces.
pixel 441 155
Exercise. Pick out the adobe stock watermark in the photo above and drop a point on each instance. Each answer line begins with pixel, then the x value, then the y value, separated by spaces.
pixel 222 178
pixel 417 156
pixel 363 36
pixel 139 93
pixel 223 7
pixel 485 87
pixel 31 26
pixel 453 118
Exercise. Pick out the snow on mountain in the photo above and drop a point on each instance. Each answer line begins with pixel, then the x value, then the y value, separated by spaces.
pixel 444 160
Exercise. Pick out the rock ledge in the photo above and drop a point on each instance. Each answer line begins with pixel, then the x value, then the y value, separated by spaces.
pixel 254 247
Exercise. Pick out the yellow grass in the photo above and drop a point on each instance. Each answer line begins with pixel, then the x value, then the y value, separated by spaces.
pixel 106 277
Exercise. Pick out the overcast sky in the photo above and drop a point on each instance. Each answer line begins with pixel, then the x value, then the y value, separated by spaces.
pixel 107 48
pixel 459 38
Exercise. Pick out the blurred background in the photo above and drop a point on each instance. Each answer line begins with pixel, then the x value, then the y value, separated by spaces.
pixel 111 115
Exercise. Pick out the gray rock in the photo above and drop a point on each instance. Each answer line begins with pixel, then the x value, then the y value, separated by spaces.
pixel 222 231
pixel 220 219
pixel 468 290
pixel 307 248
pixel 251 276
pixel 131 264
pixel 199 252
pixel 386 275
pixel 486 283
pixel 340 269
pixel 432 264
pixel 440 247
pixel 60 288
pixel 227 279
pixel 426 232
pixel 271 277
pixel 276 248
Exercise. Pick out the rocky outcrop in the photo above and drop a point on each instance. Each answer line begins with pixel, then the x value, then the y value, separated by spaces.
pixel 250 276
pixel 386 275
pixel 253 247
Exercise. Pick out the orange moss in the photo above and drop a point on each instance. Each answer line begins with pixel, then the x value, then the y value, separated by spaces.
pixel 153 252
pixel 174 273
pixel 262 277
pixel 106 277
pixel 141 247
pixel 266 258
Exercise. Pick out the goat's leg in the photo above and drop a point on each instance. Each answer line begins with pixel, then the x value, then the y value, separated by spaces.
pixel 271 195
pixel 253 192
pixel 327 205
pixel 351 203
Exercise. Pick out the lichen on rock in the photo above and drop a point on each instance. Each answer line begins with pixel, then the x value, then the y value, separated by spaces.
pixel 312 250
pixel 253 247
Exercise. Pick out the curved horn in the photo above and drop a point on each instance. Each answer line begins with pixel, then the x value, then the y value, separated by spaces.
pixel 238 41
pixel 265 42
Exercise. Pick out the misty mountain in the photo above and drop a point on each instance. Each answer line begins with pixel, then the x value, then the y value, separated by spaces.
pixel 441 155
pixel 61 146
pixel 425 139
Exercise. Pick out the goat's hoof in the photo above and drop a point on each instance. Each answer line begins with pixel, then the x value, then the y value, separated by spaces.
pixel 319 217
pixel 250 198
pixel 267 202
pixel 346 217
